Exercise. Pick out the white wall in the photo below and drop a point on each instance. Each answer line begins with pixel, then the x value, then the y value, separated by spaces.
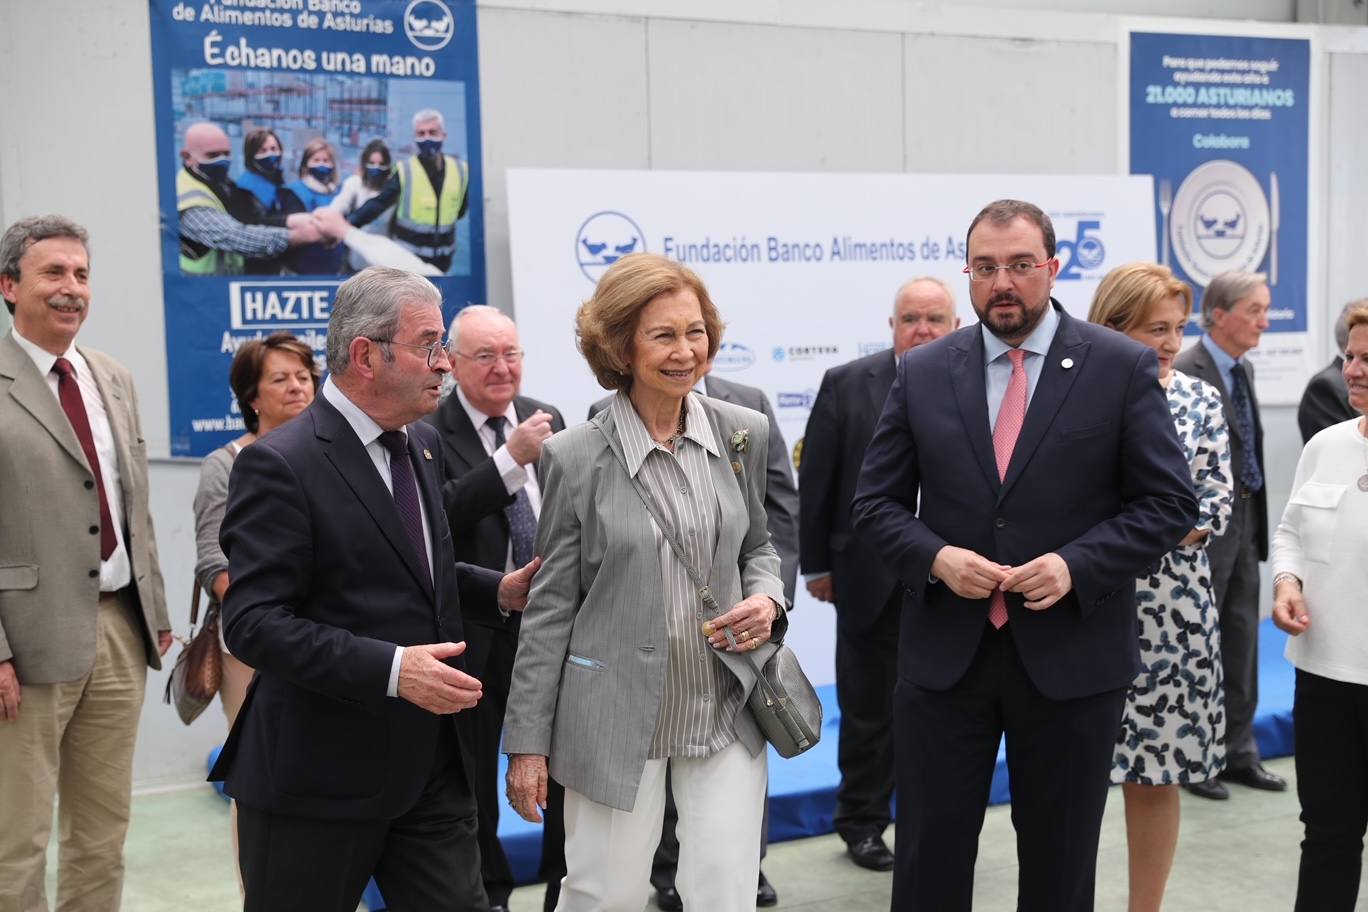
pixel 875 85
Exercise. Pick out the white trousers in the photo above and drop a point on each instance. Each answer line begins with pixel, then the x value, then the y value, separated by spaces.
pixel 721 801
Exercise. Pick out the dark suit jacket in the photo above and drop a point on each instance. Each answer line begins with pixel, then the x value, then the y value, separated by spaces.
pixel 781 497
pixel 1325 401
pixel 325 585
pixel 1097 476
pixel 1197 361
pixel 475 497
pixel 843 418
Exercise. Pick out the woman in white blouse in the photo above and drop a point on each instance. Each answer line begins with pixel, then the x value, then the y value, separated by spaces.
pixel 1320 577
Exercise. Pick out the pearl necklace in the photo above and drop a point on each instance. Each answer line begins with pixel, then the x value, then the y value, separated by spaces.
pixel 669 442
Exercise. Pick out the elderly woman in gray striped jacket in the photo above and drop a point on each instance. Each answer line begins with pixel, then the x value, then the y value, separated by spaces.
pixel 621 671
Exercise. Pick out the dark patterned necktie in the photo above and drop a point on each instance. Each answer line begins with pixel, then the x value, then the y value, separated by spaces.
pixel 406 493
pixel 69 393
pixel 522 522
pixel 1250 472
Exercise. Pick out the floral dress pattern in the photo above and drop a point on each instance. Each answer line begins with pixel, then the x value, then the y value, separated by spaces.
pixel 1173 727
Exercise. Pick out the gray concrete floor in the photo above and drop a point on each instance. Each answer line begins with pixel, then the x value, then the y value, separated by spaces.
pixel 1234 856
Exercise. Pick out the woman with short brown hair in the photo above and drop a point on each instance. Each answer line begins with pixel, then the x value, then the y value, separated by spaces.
pixel 623 671
pixel 273 379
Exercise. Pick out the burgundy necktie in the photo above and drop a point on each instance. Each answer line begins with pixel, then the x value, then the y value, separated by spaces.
pixel 406 493
pixel 1011 415
pixel 69 392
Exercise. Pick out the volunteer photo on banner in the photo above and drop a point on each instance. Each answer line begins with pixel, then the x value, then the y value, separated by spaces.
pixel 297 146
pixel 1222 124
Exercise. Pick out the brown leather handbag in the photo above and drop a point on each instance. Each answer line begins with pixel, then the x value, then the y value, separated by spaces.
pixel 199 667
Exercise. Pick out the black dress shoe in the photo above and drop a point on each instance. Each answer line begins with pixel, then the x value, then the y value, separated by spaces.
pixel 1256 777
pixel 498 908
pixel 872 853
pixel 1212 789
pixel 668 900
pixel 764 894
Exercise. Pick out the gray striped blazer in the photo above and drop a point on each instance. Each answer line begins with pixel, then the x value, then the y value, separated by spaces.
pixel 591 664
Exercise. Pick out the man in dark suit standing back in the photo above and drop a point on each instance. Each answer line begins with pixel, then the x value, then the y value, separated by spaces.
pixel 1235 316
pixel 848 573
pixel 1023 472
pixel 492 437
pixel 346 759
pixel 1325 401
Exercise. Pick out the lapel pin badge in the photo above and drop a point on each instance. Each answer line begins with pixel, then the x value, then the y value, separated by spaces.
pixel 1066 363
pixel 736 467
pixel 427 454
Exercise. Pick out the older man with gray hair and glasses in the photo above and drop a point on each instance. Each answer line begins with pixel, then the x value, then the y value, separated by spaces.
pixel 493 437
pixel 1326 398
pixel 1235 316
pixel 351 754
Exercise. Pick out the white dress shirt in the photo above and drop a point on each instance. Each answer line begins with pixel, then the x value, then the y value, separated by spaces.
pixel 117 571
pixel 515 477
pixel 368 432
pixel 997 367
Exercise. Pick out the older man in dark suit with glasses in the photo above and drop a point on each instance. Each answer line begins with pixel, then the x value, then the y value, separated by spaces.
pixel 493 437
pixel 842 569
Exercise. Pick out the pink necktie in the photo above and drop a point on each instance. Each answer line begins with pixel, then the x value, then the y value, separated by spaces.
pixel 1011 414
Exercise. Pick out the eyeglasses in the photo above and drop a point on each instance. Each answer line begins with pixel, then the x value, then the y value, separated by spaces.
pixel 512 357
pixel 986 272
pixel 432 348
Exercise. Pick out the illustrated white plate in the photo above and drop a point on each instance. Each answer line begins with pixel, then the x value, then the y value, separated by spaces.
pixel 1219 221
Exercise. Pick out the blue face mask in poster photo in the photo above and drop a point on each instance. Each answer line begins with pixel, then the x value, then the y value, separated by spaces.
pixel 249 251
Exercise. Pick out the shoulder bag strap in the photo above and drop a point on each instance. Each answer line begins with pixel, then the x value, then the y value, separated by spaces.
pixel 704 590
pixel 233 450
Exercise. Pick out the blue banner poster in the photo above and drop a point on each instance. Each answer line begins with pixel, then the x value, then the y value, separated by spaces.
pixel 299 141
pixel 1221 123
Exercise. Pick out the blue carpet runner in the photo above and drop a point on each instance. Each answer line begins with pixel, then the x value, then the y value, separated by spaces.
pixel 803 790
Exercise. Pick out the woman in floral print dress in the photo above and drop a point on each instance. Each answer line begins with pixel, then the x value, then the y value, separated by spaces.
pixel 1173 727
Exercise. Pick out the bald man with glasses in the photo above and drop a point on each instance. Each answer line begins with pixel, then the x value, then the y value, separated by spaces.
pixel 493 437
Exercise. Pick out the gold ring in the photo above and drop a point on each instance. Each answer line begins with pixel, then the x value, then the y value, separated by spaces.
pixel 755 644
pixel 745 635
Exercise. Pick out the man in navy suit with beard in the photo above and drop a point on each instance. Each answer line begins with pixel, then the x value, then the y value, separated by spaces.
pixel 1024 471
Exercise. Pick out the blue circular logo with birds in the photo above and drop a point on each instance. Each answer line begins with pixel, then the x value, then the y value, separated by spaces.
pixel 429 24
pixel 1221 221
pixel 603 239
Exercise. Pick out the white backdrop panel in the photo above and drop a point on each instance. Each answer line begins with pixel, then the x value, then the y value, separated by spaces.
pixel 802 266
